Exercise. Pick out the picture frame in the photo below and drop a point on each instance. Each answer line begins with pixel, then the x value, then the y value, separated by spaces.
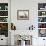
pixel 22 14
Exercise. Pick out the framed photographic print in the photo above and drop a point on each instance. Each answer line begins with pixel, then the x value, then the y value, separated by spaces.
pixel 22 14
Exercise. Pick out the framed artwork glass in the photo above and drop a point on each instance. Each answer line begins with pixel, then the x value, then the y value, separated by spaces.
pixel 22 14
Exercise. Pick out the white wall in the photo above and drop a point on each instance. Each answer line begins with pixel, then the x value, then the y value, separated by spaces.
pixel 22 5
pixel 3 1
pixel 32 6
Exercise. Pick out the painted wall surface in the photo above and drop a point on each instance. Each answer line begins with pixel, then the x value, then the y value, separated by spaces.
pixel 24 5
pixel 32 6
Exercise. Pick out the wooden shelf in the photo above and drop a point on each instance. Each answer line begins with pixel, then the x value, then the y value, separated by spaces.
pixel 41 28
pixel 3 16
pixel 41 22
pixel 3 22
pixel 3 10
pixel 42 16
pixel 42 10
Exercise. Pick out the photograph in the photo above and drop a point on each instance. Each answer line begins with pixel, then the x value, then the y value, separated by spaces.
pixel 22 14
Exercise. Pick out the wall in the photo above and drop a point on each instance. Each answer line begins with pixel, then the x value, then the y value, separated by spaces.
pixel 22 5
pixel 32 6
